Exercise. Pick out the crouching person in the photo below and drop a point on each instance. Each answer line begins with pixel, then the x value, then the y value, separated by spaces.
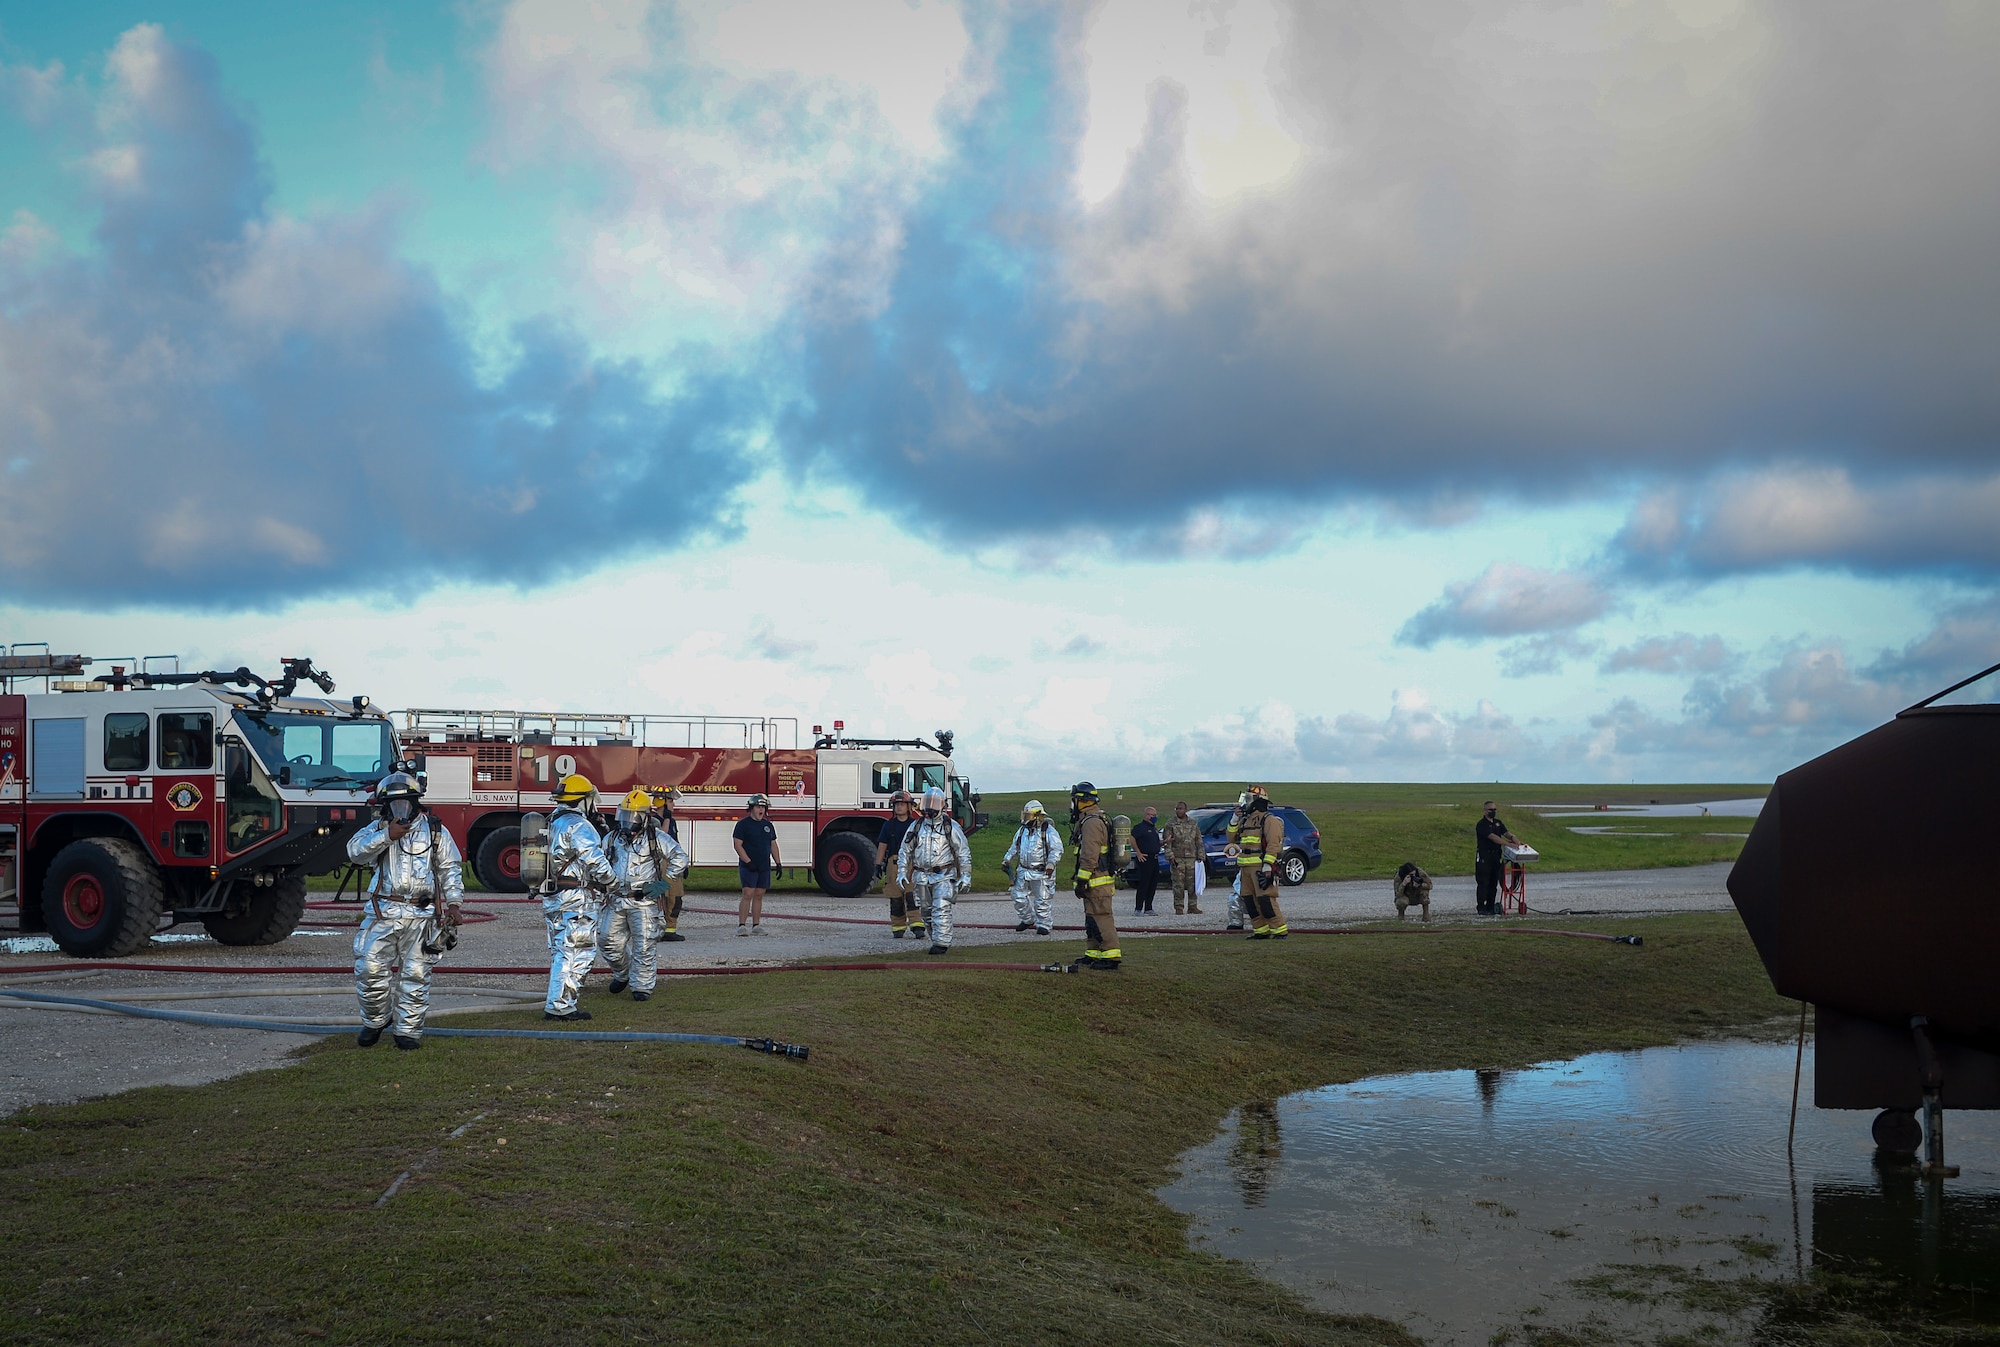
pixel 413 905
pixel 1413 889
pixel 644 864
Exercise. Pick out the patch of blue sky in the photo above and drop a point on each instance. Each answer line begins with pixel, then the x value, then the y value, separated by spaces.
pixel 357 104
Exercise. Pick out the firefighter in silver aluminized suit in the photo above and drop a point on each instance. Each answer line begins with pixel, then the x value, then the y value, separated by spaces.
pixel 644 861
pixel 937 860
pixel 579 877
pixel 1036 848
pixel 413 903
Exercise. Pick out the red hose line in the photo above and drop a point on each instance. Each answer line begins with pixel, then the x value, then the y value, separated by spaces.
pixel 1208 930
pixel 534 970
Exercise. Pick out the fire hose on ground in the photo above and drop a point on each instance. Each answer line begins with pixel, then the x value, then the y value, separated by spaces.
pixel 769 1045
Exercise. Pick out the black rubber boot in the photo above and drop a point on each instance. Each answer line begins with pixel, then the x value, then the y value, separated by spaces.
pixel 618 985
pixel 573 1015
pixel 1102 965
pixel 897 934
pixel 408 1044
pixel 672 935
pixel 940 949
pixel 1043 930
pixel 368 1038
pixel 1024 926
pixel 642 996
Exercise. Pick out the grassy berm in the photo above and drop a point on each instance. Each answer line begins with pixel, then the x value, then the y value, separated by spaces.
pixel 968 1157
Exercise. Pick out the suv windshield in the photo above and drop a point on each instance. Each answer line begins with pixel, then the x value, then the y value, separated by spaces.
pixel 319 748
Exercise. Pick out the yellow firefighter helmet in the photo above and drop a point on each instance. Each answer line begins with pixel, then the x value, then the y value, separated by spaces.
pixel 574 789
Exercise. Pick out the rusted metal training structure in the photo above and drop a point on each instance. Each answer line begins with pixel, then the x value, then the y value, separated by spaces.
pixel 1871 887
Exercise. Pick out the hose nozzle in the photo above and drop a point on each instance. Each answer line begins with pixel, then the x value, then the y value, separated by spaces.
pixel 1628 939
pixel 771 1045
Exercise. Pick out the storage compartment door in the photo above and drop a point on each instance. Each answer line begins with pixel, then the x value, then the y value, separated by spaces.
pixel 56 771
pixel 795 843
pixel 839 785
pixel 714 841
pixel 447 780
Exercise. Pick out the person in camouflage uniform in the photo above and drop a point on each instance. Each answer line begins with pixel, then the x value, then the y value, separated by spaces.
pixel 1413 889
pixel 1184 851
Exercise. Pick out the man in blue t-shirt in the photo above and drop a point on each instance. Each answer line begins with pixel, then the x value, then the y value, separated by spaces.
pixel 756 853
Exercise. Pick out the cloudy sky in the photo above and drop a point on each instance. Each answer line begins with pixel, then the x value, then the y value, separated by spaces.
pixel 1592 390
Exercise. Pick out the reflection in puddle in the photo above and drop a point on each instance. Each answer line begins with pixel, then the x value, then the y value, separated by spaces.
pixel 1258 1150
pixel 1463 1203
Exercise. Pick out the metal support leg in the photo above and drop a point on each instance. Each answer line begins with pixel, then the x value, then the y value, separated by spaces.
pixel 1933 1077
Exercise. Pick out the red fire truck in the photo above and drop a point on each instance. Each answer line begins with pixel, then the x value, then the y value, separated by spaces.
pixel 484 769
pixel 157 796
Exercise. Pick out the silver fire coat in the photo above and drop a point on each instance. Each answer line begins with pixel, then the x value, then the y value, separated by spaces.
pixel 1033 853
pixel 635 864
pixel 937 861
pixel 630 921
pixel 394 928
pixel 406 869
pixel 1036 846
pixel 937 846
pixel 576 859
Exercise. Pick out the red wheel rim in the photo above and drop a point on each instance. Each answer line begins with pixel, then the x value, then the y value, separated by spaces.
pixel 841 867
pixel 83 901
pixel 509 861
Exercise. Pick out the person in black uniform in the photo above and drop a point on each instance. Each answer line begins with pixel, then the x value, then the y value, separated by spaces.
pixel 1488 835
pixel 1146 870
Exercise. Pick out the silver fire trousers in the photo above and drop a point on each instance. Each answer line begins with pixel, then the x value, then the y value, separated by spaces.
pixel 935 892
pixel 1236 901
pixel 572 919
pixel 626 931
pixel 393 933
pixel 1034 898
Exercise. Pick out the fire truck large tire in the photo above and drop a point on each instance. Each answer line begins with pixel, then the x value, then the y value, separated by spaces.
pixel 846 864
pixel 271 915
pixel 498 862
pixel 102 898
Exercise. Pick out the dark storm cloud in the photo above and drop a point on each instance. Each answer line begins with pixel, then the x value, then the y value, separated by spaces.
pixel 224 405
pixel 1529 252
pixel 1794 516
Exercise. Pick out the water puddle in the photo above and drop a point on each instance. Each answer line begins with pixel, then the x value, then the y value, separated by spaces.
pixel 1618 1195
pixel 1749 808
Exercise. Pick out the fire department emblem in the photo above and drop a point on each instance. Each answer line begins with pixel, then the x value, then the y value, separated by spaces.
pixel 184 797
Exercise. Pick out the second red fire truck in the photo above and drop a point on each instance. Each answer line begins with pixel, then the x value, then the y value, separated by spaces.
pixel 485 769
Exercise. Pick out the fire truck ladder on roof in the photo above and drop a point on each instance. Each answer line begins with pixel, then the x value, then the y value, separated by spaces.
pixel 585 729
pixel 32 659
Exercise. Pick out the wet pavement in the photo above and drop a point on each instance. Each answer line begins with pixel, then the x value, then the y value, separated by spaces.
pixel 56 1056
pixel 1465 1204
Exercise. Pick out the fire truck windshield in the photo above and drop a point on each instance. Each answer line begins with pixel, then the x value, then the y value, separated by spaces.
pixel 310 750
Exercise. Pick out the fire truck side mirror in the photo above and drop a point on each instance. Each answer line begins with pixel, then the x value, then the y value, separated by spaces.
pixel 236 764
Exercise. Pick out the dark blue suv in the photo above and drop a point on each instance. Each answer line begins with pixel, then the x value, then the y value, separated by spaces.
pixel 1301 855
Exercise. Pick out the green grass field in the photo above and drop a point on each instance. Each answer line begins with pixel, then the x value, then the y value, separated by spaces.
pixel 967 1157
pixel 1367 829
